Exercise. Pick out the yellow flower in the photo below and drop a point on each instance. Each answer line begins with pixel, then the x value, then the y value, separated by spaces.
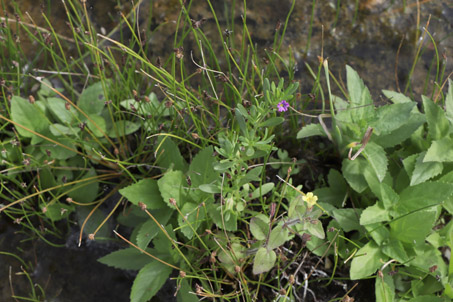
pixel 310 199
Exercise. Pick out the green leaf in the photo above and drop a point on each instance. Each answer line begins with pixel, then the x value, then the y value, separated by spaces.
pixel 401 134
pixel 314 227
pixel 427 298
pixel 391 117
pixel 388 196
pixel 58 108
pixel 348 218
pixel 92 100
pixel 440 151
pixel 168 155
pixel 377 158
pixel 409 229
pixel 93 222
pixel 149 280
pixel 259 227
pixel 425 170
pixel 127 259
pixel 27 115
pixel 57 151
pixel 97 125
pixel 449 101
pixel 186 293
pixel 385 288
pixel 278 237
pixel 149 229
pixel 146 191
pixel 57 211
pixel 87 190
pixel 438 126
pixel 396 97
pixel 60 130
pixel 310 130
pixel 202 173
pixel 272 122
pixel 122 128
pixel 361 103
pixel 264 260
pixel 353 173
pixel 263 190
pixel 373 214
pixel 171 185
pixel 366 261
pixel 395 250
pixel 194 216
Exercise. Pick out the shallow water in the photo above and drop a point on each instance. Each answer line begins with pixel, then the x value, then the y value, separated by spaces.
pixel 368 39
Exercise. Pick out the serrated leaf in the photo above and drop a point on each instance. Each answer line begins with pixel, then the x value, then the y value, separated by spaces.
pixel 409 229
pixel 438 126
pixel 377 158
pixel 149 229
pixel 373 214
pixel 310 130
pixel 168 155
pixel 366 261
pixel 396 97
pixel 27 115
pixel 424 171
pixel 392 117
pixel 128 259
pixel 259 228
pixel 193 217
pixel 361 102
pixel 146 191
pixel 171 185
pixel 353 173
pixel 348 219
pixel 440 151
pixel 92 99
pixel 388 196
pixel 401 134
pixel 264 260
pixel 149 281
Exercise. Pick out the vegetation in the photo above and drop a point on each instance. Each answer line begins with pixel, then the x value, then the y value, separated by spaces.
pixel 190 167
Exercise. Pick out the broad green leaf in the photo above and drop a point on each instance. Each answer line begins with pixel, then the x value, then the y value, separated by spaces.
pixel 353 173
pixel 128 259
pixel 149 280
pixel 377 158
pixel 186 293
pixel 388 196
pixel 423 195
pixel 366 261
pixel 173 185
pixel 252 175
pixel 401 134
pixel 194 216
pixel 208 188
pixel 409 164
pixel 395 250
pixel 315 228
pixel 278 237
pixel 87 189
pixel 426 257
pixel 272 122
pixel 361 103
pixel 57 151
pixel 348 219
pixel 202 173
pixel 427 298
pixel 311 130
pixel 378 232
pixel 122 128
pixel 57 210
pixel 168 155
pixel 449 101
pixel 264 260
pixel 263 190
pixel 93 222
pixel 92 99
pixel 424 171
pixel 385 288
pixel 414 227
pixel 97 125
pixel 149 229
pixel 259 228
pixel 59 130
pixel 391 117
pixel 438 126
pixel 27 115
pixel 373 214
pixel 440 151
pixel 225 222
pixel 58 108
pixel 396 97
pixel 146 191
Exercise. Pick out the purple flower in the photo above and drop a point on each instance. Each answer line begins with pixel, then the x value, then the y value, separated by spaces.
pixel 282 106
